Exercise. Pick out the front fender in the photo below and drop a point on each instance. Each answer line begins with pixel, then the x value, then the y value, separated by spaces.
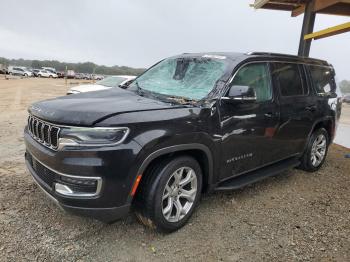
pixel 160 146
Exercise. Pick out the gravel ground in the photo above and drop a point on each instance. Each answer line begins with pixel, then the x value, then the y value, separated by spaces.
pixel 294 216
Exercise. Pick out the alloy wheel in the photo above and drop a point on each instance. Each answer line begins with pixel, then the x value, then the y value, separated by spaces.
pixel 179 194
pixel 318 150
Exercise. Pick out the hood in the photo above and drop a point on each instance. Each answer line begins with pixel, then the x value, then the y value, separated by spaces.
pixel 86 109
pixel 88 88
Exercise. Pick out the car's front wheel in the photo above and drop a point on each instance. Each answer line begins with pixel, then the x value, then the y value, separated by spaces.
pixel 169 193
pixel 316 151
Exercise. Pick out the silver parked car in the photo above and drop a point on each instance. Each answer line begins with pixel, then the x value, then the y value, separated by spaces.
pixel 18 70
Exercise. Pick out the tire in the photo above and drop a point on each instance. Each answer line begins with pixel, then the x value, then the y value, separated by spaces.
pixel 39 75
pixel 317 147
pixel 25 75
pixel 50 76
pixel 154 212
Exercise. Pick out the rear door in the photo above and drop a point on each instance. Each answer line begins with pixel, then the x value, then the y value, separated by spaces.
pixel 297 107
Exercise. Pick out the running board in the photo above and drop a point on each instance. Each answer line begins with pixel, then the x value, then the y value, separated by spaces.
pixel 257 175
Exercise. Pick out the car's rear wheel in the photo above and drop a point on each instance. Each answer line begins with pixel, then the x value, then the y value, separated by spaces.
pixel 169 193
pixel 50 76
pixel 316 151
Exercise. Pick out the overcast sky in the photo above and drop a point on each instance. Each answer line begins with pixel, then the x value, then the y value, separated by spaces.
pixel 138 33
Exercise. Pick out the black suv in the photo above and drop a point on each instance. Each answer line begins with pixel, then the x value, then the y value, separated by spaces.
pixel 190 124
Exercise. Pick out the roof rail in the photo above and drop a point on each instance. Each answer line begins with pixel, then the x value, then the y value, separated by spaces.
pixel 287 56
pixel 271 54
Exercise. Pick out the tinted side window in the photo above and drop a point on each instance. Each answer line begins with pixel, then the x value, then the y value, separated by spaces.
pixel 322 79
pixel 256 76
pixel 287 77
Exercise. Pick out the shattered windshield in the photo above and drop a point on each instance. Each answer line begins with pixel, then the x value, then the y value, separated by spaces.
pixel 190 78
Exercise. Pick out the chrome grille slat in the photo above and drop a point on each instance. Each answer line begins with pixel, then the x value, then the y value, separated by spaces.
pixel 40 134
pixel 32 125
pixel 45 133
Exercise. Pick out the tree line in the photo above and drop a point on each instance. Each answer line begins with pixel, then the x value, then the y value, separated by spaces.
pixel 86 67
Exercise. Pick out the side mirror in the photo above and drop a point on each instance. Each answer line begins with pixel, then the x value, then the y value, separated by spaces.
pixel 241 93
pixel 125 85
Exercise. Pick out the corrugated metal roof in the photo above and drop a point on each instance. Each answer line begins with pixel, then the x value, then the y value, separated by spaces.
pixel 297 7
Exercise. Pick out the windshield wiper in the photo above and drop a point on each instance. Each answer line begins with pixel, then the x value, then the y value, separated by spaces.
pixel 181 100
pixel 177 99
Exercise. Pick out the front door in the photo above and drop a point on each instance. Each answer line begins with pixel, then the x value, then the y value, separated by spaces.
pixel 248 127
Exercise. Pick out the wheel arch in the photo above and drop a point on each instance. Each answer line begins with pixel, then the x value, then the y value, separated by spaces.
pixel 199 152
pixel 326 123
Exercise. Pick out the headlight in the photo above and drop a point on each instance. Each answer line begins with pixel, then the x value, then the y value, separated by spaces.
pixel 92 136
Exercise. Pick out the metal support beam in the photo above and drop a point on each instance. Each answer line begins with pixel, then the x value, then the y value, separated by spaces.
pixel 335 30
pixel 308 27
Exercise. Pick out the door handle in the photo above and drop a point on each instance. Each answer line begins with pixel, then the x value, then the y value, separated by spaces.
pixel 311 108
pixel 269 114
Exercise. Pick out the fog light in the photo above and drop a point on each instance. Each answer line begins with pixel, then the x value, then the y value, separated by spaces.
pixel 78 186
pixel 63 189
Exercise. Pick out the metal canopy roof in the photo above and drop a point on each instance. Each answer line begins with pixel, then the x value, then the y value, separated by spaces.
pixel 310 8
pixel 297 7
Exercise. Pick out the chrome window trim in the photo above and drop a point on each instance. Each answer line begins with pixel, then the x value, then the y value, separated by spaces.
pixel 97 178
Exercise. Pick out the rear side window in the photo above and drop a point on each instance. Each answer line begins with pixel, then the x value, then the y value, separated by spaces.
pixel 287 76
pixel 322 79
pixel 256 76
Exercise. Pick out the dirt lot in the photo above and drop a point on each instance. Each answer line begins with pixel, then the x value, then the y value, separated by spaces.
pixel 295 216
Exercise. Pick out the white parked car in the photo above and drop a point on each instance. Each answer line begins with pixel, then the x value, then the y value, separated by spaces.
pixel 122 81
pixel 18 70
pixel 50 69
pixel 46 73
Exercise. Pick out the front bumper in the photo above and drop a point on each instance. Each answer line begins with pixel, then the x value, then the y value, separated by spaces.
pixel 106 215
pixel 113 200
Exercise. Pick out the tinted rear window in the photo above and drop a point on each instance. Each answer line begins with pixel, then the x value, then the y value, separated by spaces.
pixel 288 78
pixel 322 79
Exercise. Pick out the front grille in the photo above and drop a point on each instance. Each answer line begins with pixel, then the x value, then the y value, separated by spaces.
pixel 45 133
